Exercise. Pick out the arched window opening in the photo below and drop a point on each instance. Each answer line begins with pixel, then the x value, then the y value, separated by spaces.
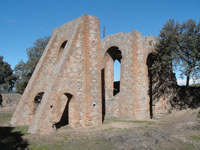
pixel 110 76
pixel 149 63
pixel 62 48
pixel 65 119
pixel 37 101
pixel 116 55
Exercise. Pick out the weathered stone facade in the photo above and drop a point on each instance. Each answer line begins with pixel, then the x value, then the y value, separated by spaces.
pixel 133 99
pixel 75 77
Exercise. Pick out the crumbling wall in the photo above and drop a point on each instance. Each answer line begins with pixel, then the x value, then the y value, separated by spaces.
pixel 133 100
pixel 161 92
pixel 75 73
pixel 136 99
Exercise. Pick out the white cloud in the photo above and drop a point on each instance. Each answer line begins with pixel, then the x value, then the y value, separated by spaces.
pixel 183 81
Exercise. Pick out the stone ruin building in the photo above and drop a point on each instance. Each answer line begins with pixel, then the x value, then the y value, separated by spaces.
pixel 73 81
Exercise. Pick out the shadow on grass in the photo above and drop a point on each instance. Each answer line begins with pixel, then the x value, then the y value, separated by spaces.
pixel 11 140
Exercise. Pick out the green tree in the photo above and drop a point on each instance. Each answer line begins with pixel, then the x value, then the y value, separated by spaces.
pixel 24 70
pixel 22 77
pixel 7 78
pixel 179 47
pixel 189 50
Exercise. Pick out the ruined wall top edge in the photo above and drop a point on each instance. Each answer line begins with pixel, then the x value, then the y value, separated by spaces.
pixel 74 22
pixel 122 34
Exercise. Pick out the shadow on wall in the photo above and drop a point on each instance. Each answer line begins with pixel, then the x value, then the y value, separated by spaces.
pixel 11 140
pixel 162 83
pixel 103 94
pixel 149 63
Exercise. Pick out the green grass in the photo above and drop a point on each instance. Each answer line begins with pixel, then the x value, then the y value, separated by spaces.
pixel 189 146
pixel 169 111
pixel 185 145
pixel 197 138
pixel 147 122
pixel 108 129
pixel 38 147
pixel 198 114
pixel 22 129
pixel 4 119
pixel 111 120
pixel 7 116
pixel 83 143
pixel 66 127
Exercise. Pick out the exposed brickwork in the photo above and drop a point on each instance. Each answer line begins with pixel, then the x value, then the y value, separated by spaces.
pixel 133 100
pixel 77 79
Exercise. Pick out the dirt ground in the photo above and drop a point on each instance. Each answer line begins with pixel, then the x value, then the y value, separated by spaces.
pixel 179 130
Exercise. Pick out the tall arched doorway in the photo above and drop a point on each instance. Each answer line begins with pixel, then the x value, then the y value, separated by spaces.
pixel 110 88
pixel 65 110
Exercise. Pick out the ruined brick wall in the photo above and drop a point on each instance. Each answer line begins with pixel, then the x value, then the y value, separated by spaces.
pixel 133 100
pixel 42 75
pixel 75 73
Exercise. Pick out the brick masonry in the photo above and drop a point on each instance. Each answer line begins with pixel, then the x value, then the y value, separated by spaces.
pixel 78 77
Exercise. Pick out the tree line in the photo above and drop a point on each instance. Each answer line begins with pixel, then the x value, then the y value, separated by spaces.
pixel 23 70
pixel 178 48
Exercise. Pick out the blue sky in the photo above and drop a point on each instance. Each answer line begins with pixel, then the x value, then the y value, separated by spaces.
pixel 24 21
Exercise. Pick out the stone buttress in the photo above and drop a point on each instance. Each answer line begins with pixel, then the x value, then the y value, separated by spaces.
pixel 69 73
